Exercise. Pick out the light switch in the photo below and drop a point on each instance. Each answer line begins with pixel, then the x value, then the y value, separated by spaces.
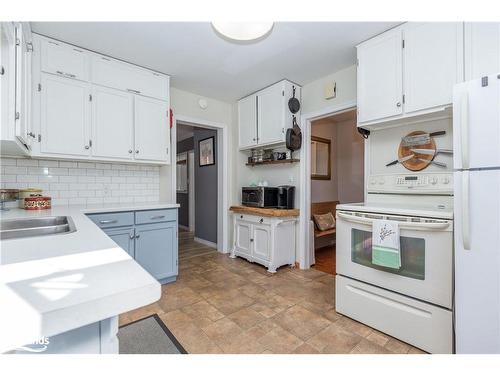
pixel 330 90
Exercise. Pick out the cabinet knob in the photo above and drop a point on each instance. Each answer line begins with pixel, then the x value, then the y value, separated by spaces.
pixel 31 134
pixel 2 71
pixel 87 147
pixel 253 139
pixel 136 151
pixel 261 221
pixel 251 239
pixel 241 216
pixel 137 236
pixel 129 151
pixel 398 104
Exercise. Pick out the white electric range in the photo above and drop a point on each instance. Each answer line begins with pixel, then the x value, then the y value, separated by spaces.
pixel 413 303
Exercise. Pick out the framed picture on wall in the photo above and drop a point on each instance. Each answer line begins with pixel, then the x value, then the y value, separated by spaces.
pixel 206 150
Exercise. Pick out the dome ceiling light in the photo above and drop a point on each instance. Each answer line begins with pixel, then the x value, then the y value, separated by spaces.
pixel 243 31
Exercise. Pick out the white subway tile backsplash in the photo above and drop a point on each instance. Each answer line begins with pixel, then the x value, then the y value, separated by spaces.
pixel 69 182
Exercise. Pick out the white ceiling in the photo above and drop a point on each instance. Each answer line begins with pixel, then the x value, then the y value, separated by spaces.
pixel 202 62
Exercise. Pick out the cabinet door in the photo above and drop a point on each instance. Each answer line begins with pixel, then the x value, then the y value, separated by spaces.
pixel 271 115
pixel 65 116
pixel 243 236
pixel 7 78
pixel 380 76
pixel 23 86
pixel 112 123
pixel 152 129
pixel 64 60
pixel 124 237
pixel 247 121
pixel 262 241
pixel 482 49
pixel 156 248
pixel 433 57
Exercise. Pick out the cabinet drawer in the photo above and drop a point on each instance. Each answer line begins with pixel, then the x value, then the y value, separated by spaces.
pixel 119 75
pixel 117 219
pixel 64 60
pixel 253 218
pixel 155 216
pixel 421 324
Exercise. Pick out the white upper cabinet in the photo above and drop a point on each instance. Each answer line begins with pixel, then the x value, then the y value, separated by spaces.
pixel 117 74
pixel 152 129
pixel 112 123
pixel 408 71
pixel 433 63
pixel 482 49
pixel 64 60
pixel 380 77
pixel 247 121
pixel 271 115
pixel 264 117
pixel 101 108
pixel 65 116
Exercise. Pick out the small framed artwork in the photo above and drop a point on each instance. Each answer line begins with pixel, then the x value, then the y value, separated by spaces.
pixel 206 151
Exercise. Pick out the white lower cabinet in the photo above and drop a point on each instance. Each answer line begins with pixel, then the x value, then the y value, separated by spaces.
pixel 65 116
pixel 269 241
pixel 112 123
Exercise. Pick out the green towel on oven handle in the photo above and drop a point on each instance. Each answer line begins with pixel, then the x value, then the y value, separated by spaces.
pixel 386 257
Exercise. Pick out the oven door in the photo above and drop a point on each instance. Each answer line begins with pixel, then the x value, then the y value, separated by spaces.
pixel 426 255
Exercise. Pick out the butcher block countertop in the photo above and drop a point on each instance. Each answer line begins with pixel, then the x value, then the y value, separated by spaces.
pixel 271 212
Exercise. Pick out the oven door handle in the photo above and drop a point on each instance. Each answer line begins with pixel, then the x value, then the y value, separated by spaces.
pixel 402 225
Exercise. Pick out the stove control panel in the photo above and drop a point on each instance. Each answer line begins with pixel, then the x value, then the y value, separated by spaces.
pixel 417 183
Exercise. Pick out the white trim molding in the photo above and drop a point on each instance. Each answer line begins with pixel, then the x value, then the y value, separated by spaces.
pixel 305 176
pixel 222 174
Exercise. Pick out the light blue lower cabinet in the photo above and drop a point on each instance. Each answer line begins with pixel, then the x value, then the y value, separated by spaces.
pixel 152 244
pixel 124 237
pixel 156 249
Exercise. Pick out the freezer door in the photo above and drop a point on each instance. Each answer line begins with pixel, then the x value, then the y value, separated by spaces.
pixel 476 123
pixel 477 261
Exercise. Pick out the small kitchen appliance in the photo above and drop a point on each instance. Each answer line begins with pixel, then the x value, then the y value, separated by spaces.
pixel 259 196
pixel 286 196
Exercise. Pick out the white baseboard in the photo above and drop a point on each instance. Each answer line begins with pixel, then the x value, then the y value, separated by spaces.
pixel 183 227
pixel 205 242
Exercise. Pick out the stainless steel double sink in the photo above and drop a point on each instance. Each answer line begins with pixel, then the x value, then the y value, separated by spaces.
pixel 33 227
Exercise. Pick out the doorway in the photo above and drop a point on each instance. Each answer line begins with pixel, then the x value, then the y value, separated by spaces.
pixel 336 176
pixel 197 189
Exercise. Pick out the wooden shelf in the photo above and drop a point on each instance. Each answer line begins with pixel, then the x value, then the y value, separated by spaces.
pixel 284 161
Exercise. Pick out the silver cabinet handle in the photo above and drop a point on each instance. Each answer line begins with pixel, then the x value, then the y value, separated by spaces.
pixel 137 236
pixel 131 235
pixel 32 135
pixel 87 147
pixel 398 104
pixel 134 91
pixel 129 151
pixel 136 151
pixel 157 217
pixel 2 71
pixel 65 74
pixel 108 221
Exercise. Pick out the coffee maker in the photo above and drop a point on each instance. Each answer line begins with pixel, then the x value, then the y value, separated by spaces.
pixel 286 196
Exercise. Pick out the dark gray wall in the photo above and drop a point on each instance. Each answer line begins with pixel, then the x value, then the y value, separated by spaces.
pixel 205 190
pixel 183 198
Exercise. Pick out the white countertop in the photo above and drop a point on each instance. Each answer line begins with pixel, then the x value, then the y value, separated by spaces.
pixel 53 284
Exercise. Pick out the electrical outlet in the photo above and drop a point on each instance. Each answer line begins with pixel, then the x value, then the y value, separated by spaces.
pixel 106 191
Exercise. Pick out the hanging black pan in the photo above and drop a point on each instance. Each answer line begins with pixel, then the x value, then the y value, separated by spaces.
pixel 293 103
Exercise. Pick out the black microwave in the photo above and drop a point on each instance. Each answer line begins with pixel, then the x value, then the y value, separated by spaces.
pixel 259 196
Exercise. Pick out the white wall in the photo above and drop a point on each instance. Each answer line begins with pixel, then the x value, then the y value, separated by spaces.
pixel 313 99
pixel 326 190
pixel 185 104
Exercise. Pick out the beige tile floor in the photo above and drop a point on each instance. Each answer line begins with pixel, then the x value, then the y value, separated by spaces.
pixel 224 305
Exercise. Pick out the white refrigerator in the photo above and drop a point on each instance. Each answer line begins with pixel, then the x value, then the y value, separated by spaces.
pixel 476 142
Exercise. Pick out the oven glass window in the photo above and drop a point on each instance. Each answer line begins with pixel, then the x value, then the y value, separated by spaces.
pixel 412 254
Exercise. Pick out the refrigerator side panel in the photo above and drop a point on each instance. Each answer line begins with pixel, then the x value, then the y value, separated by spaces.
pixel 476 123
pixel 477 261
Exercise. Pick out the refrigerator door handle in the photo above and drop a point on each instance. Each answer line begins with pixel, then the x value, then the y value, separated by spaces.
pixel 464 122
pixel 466 210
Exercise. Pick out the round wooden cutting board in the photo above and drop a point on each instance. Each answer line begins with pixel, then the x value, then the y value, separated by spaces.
pixel 414 164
